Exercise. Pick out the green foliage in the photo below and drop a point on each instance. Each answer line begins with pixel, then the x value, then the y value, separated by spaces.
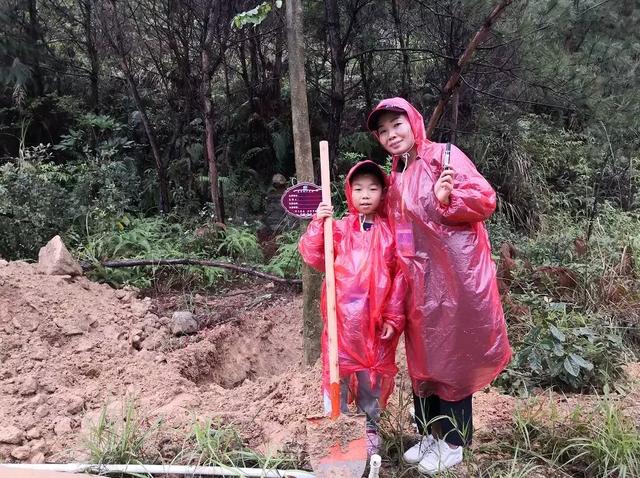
pixel 612 444
pixel 217 444
pixel 133 237
pixel 119 440
pixel 287 261
pixel 137 237
pixel 567 350
pixel 97 138
pixel 41 199
pixel 597 442
pixel 241 244
pixel 255 16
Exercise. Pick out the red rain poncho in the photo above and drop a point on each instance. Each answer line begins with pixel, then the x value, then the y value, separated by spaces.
pixel 455 332
pixel 368 292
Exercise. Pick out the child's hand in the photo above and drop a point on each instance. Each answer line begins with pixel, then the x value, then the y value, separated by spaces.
pixel 387 331
pixel 444 186
pixel 324 210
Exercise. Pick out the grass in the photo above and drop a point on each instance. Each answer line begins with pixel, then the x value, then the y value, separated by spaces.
pixel 599 442
pixel 216 444
pixel 121 440
pixel 547 438
pixel 612 447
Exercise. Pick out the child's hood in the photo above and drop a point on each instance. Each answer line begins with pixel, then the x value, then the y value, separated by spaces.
pixel 347 186
pixel 400 105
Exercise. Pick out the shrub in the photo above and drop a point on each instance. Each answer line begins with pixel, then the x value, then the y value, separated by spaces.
pixel 566 350
pixel 287 261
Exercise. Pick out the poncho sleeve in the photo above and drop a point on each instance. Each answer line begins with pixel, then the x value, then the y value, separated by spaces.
pixel 311 244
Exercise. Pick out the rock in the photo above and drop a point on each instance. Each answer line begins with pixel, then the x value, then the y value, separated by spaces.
pixel 39 353
pixel 74 404
pixel 3 263
pixel 39 399
pixel 112 332
pixel 55 259
pixel 73 325
pixel 11 435
pixel 140 308
pixel 21 453
pixel 150 321
pixel 155 340
pixel 50 387
pixel 84 345
pixel 34 433
pixel 41 411
pixel 37 458
pixel 29 386
pixel 136 336
pixel 184 323
pixel 278 181
pixel 39 446
pixel 62 426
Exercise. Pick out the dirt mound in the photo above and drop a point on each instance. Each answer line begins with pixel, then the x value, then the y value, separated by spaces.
pixel 69 346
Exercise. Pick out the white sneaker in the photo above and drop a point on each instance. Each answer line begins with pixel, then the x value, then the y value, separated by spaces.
pixel 416 452
pixel 440 457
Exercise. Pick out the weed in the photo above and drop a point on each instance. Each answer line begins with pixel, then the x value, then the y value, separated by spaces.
pixel 215 444
pixel 287 261
pixel 120 441
pixel 611 447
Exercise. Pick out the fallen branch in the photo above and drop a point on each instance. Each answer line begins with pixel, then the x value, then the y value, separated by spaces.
pixel 454 79
pixel 190 262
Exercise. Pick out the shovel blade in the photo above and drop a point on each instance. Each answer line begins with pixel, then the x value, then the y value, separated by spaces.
pixel 338 447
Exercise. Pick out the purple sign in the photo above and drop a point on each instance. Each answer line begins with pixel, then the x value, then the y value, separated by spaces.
pixel 302 200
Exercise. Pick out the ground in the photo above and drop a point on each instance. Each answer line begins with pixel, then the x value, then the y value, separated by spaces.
pixel 70 347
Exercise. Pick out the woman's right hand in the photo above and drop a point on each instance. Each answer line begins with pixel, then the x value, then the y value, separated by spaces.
pixel 444 186
pixel 324 210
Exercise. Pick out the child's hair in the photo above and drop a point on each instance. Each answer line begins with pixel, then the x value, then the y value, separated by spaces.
pixel 371 170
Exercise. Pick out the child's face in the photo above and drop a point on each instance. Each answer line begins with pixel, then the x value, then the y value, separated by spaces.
pixel 394 131
pixel 366 193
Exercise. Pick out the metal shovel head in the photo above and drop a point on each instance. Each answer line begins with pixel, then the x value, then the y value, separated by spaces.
pixel 337 446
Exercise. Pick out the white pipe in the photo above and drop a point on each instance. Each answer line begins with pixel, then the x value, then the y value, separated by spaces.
pixel 374 466
pixel 162 470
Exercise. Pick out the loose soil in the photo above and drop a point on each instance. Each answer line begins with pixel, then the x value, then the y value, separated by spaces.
pixel 69 347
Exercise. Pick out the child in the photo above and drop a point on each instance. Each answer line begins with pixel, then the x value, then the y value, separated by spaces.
pixel 455 333
pixel 369 294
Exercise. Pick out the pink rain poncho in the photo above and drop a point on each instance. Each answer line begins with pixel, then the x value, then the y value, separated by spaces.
pixel 455 332
pixel 368 291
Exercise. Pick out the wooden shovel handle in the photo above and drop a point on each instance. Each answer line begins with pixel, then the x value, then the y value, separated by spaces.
pixel 330 281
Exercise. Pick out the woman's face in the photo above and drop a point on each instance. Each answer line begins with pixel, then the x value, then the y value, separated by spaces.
pixel 395 133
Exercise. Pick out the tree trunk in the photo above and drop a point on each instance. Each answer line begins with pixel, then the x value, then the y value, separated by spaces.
pixel 406 66
pixel 366 81
pixel 338 64
pixel 155 150
pixel 454 79
pixel 244 72
pixel 86 6
pixel 208 68
pixel 311 280
pixel 455 104
pixel 33 32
